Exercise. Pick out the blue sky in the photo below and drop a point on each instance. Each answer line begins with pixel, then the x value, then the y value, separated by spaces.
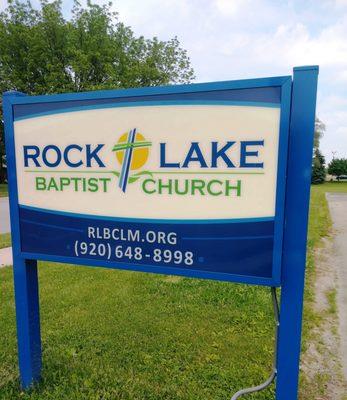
pixel 234 39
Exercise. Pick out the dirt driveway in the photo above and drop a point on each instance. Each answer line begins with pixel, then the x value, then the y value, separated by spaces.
pixel 338 210
pixel 4 215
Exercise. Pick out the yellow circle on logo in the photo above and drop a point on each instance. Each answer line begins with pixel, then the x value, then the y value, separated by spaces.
pixel 139 156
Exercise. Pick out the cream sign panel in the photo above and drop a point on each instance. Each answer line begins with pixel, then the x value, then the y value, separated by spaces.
pixel 160 162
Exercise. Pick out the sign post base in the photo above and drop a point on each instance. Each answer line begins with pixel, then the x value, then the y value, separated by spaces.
pixel 28 320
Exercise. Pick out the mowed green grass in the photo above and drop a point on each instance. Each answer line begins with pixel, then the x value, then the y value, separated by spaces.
pixel 3 190
pixel 109 334
pixel 123 335
pixel 5 240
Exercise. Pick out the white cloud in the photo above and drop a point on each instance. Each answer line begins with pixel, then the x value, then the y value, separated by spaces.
pixel 342 76
pixel 341 3
pixel 230 7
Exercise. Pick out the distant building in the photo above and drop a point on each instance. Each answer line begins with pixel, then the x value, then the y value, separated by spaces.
pixel 332 178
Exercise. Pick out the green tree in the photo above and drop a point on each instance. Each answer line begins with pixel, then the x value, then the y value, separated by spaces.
pixel 2 147
pixel 41 52
pixel 338 167
pixel 318 160
pixel 318 167
pixel 319 131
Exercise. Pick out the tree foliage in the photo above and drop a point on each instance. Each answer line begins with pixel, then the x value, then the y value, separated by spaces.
pixel 319 131
pixel 318 167
pixel 2 147
pixel 338 167
pixel 318 161
pixel 41 52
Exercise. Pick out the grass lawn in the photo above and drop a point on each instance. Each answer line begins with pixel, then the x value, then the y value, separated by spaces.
pixel 3 190
pixel 5 240
pixel 111 334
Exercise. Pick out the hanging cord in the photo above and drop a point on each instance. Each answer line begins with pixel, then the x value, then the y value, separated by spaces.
pixel 274 368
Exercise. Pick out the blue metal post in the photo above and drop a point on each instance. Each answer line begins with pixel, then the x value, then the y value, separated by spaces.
pixel 28 320
pixel 295 234
pixel 24 271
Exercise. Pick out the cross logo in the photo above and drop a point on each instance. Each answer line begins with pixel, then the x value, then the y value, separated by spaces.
pixel 132 151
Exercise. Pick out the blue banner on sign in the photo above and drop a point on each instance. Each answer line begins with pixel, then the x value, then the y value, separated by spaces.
pixel 231 247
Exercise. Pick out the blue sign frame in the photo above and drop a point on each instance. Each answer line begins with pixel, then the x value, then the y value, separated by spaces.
pixel 296 98
pixel 268 92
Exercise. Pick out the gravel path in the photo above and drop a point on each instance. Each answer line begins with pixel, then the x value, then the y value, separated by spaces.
pixel 5 257
pixel 4 215
pixel 338 210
